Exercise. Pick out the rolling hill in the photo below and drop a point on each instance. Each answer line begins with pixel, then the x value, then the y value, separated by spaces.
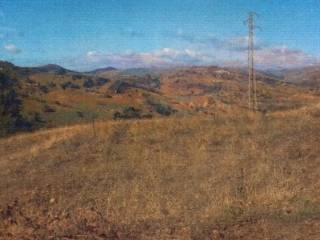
pixel 170 155
pixel 308 77
pixel 232 176
pixel 52 96
pixel 102 70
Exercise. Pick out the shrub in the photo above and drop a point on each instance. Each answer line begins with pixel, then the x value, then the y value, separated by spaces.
pixel 101 81
pixel 48 109
pixel 88 83
pixel 162 109
pixel 11 119
pixel 76 77
pixel 128 113
pixel 70 85
pixel 120 87
pixel 44 89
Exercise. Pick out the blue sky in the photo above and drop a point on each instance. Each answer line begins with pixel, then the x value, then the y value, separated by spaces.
pixel 87 34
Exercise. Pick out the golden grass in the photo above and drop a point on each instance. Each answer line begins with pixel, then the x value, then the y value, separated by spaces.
pixel 175 178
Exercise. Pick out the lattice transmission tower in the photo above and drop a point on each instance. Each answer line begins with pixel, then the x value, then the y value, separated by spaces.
pixel 252 90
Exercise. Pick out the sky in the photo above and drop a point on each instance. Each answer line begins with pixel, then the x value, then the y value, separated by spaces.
pixel 88 34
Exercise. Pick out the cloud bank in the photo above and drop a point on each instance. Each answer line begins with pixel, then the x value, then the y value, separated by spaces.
pixel 165 57
pixel 203 51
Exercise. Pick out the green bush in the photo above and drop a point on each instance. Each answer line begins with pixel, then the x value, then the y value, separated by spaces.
pixel 11 119
pixel 128 113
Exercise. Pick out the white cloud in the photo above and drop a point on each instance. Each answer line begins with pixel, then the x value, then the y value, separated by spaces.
pixel 165 57
pixel 208 50
pixel 12 49
pixel 93 56
pixel 271 57
pixel 233 51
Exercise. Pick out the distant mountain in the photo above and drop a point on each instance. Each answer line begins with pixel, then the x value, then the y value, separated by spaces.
pixel 6 65
pixel 101 70
pixel 306 77
pixel 141 72
pixel 277 72
pixel 9 67
pixel 24 71
pixel 51 68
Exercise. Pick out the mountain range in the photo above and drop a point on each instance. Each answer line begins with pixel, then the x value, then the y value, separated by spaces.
pixel 50 96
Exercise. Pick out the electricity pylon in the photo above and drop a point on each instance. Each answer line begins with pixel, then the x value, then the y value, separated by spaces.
pixel 252 91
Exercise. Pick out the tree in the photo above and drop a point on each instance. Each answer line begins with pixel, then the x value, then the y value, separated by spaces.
pixel 11 119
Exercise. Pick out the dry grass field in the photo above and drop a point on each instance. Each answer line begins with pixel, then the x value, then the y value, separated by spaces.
pixel 228 176
pixel 159 120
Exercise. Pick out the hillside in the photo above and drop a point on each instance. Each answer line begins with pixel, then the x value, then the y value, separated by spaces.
pixel 232 176
pixel 100 71
pixel 52 96
pixel 170 155
pixel 211 87
pixel 306 77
